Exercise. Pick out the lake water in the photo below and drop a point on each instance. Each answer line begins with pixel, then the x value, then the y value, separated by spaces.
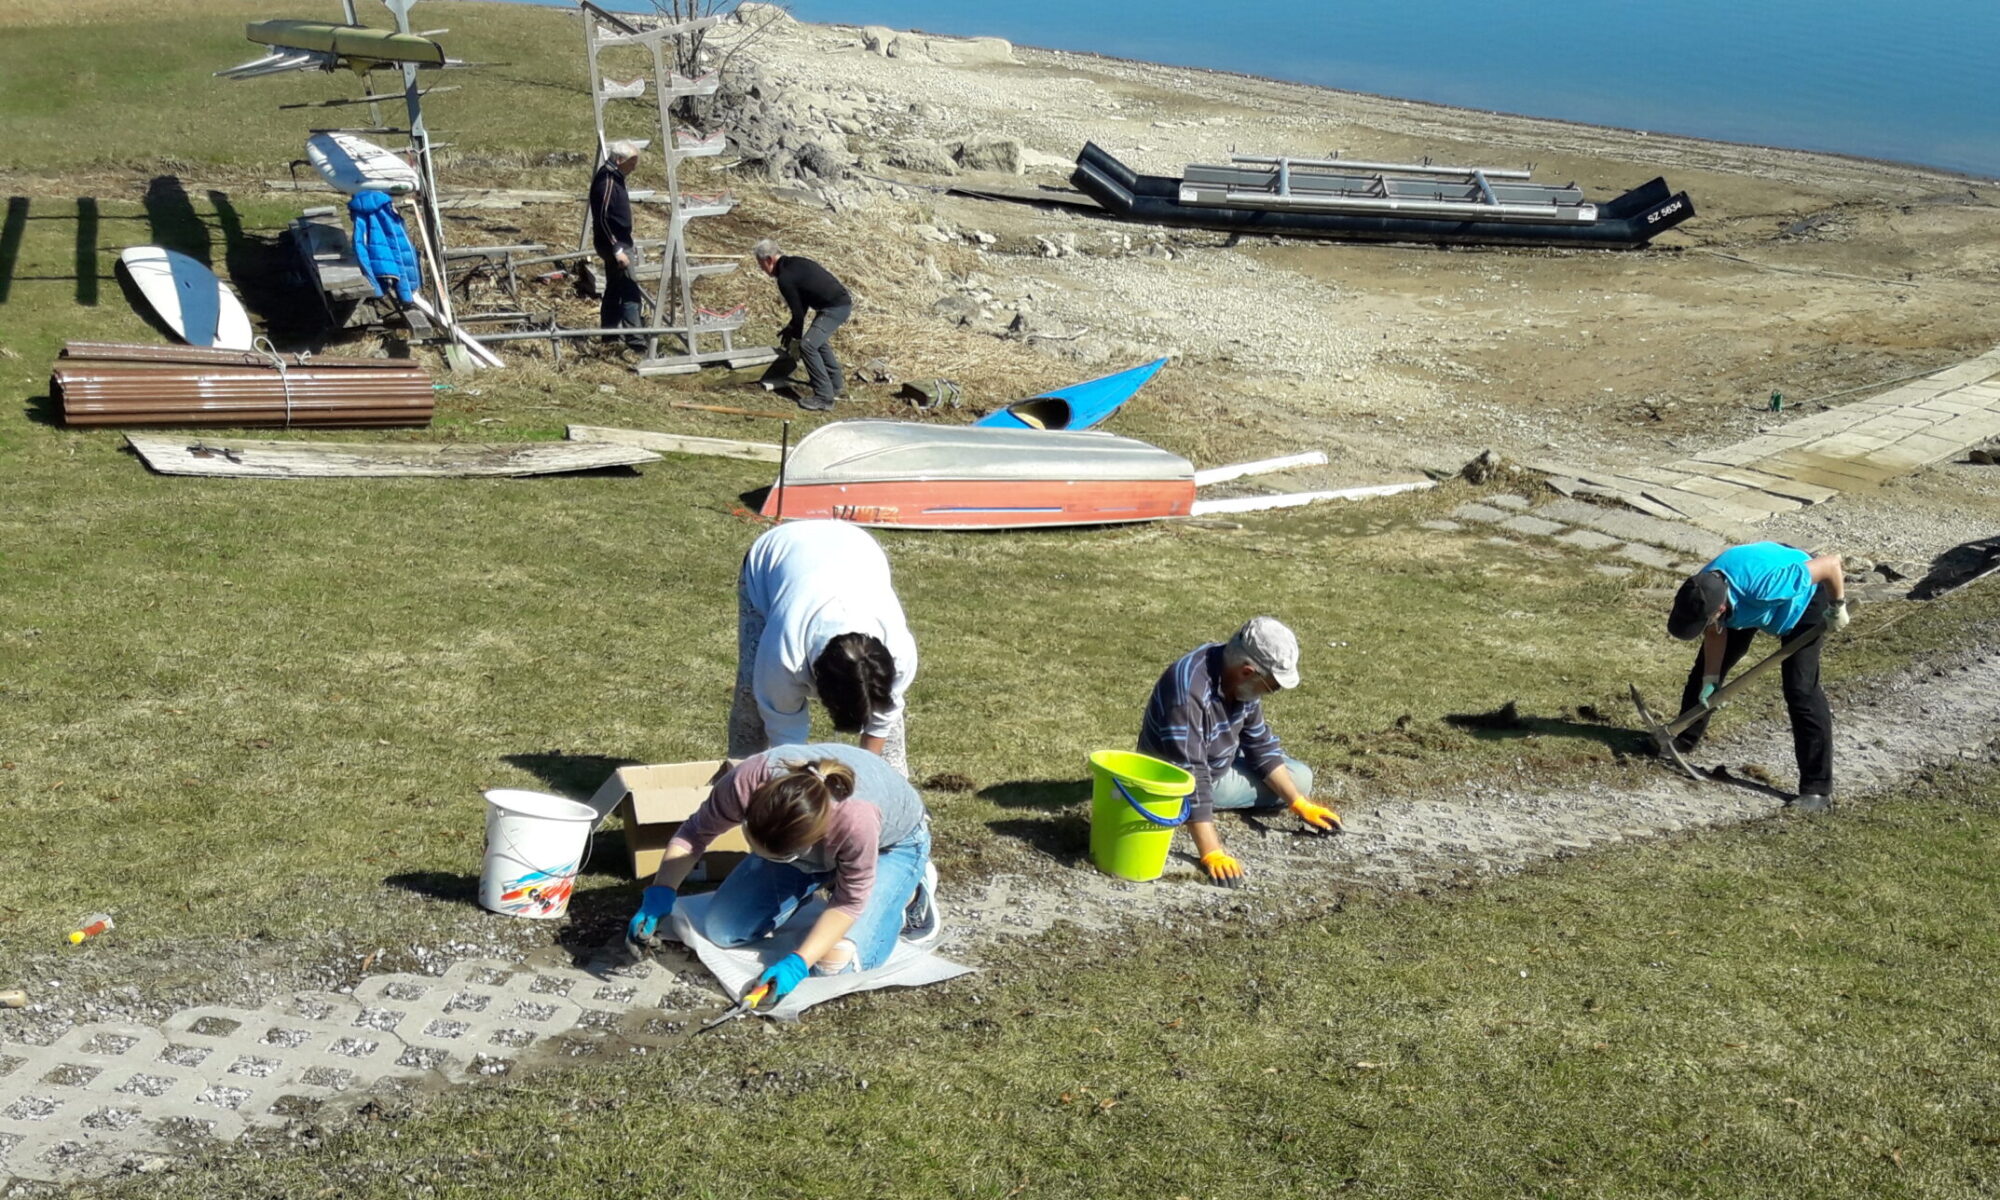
pixel 1910 82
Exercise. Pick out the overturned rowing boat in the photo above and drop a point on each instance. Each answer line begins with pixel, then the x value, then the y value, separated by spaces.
pixel 915 476
pixel 1402 202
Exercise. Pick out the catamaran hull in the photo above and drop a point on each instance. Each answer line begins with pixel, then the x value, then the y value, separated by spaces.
pixel 1626 223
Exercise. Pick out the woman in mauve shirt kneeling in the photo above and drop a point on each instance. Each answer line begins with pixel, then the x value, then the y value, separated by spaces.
pixel 815 815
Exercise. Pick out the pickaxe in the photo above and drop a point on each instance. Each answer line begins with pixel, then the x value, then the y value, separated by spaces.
pixel 1664 734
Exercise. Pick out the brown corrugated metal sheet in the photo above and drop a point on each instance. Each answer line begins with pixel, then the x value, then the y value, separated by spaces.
pixel 101 383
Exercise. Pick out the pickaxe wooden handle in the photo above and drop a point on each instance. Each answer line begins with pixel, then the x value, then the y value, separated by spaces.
pixel 1664 734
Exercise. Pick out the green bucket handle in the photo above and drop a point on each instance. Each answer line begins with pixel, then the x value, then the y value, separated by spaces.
pixel 1187 808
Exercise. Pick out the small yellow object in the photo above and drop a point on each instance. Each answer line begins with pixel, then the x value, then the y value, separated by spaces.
pixel 93 925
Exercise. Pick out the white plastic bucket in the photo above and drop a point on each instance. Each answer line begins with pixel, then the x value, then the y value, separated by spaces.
pixel 534 845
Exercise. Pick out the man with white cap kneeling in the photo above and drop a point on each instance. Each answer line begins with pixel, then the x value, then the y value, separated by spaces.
pixel 1207 717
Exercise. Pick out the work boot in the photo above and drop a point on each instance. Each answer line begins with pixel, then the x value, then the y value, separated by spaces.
pixel 921 920
pixel 1813 802
pixel 815 403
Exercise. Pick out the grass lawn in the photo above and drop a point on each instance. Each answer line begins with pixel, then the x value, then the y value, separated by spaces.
pixel 265 710
pixel 1800 1008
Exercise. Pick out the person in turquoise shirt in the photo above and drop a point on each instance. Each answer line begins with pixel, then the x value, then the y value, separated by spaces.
pixel 1791 595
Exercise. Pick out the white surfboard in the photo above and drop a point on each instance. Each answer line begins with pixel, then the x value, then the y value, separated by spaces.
pixel 350 164
pixel 195 304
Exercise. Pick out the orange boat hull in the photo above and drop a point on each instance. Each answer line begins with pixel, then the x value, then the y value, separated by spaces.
pixel 984 504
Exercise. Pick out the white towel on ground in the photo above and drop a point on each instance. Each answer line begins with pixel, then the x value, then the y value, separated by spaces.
pixel 736 967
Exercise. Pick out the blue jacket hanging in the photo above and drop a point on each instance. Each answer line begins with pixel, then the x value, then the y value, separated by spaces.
pixel 381 245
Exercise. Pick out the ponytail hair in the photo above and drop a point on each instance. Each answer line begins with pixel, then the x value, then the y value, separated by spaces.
pixel 789 812
pixel 853 677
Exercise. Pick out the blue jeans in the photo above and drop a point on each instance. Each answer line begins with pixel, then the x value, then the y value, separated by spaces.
pixel 761 895
pixel 1237 788
pixel 816 351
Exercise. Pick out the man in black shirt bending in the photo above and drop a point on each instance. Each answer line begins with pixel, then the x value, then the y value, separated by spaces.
pixel 611 232
pixel 806 285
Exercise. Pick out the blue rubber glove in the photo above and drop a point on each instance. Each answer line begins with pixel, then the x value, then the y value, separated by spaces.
pixel 656 902
pixel 784 975
pixel 1708 683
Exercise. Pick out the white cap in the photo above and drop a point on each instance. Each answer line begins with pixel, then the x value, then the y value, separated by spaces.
pixel 1274 648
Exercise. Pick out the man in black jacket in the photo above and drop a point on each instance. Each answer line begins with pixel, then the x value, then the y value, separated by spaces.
pixel 806 285
pixel 611 230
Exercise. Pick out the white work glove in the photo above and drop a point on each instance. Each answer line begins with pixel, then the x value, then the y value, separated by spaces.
pixel 1840 617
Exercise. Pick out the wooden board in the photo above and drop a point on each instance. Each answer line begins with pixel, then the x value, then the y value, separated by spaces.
pixel 191 455
pixel 351 165
pixel 198 307
pixel 1242 504
pixel 677 443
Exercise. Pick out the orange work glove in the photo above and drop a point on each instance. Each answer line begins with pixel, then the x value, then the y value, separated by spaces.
pixel 1319 816
pixel 1223 870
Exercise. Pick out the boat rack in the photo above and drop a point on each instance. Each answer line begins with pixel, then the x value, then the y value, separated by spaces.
pixel 319 237
pixel 697 336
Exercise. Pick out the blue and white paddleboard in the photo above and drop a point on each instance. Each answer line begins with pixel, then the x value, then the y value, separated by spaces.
pixel 197 306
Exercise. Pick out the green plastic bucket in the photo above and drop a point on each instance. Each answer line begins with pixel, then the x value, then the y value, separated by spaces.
pixel 1136 803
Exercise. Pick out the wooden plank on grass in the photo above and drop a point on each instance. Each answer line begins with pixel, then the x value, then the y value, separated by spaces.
pixel 1263 466
pixel 1202 508
pixel 190 455
pixel 676 443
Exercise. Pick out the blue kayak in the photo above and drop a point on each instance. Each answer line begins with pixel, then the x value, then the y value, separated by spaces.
pixel 1078 406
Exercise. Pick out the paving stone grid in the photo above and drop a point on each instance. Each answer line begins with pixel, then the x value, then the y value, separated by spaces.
pixel 102 1096
pixel 1812 459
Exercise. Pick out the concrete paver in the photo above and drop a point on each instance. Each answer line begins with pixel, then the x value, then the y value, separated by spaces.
pixel 1533 526
pixel 1637 527
pixel 1587 539
pixel 1647 556
pixel 1813 458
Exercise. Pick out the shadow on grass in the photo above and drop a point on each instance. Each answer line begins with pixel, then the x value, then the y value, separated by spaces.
pixel 1045 794
pixel 12 230
pixel 1064 836
pixel 448 886
pixel 86 250
pixel 171 220
pixel 574 775
pixel 1955 566
pixel 1508 721
pixel 1723 775
pixel 1061 829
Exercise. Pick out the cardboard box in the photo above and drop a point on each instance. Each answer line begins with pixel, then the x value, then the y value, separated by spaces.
pixel 654 801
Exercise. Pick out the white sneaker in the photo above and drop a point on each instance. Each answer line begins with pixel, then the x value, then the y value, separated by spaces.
pixel 922 923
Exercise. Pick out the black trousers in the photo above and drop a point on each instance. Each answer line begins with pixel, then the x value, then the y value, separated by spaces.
pixel 1812 720
pixel 623 301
